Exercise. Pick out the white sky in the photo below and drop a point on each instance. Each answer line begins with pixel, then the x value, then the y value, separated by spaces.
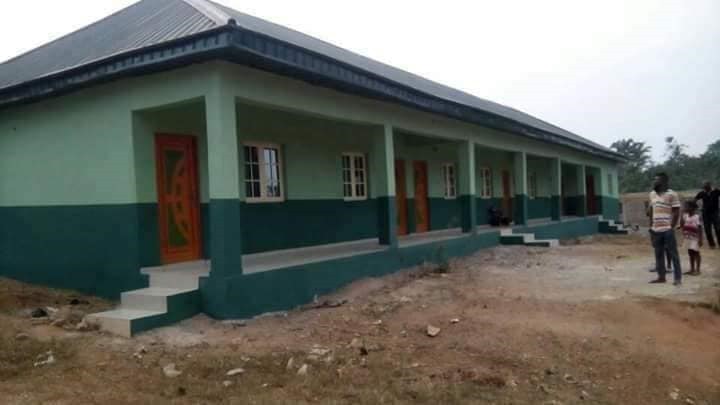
pixel 606 69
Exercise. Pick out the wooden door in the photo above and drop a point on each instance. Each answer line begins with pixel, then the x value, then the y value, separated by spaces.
pixel 590 194
pixel 507 207
pixel 422 210
pixel 401 197
pixel 178 199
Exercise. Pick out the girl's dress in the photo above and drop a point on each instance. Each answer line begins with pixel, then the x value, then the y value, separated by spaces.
pixel 691 231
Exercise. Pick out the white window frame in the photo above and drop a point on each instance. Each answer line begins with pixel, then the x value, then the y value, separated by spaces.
pixel 611 185
pixel 263 177
pixel 449 181
pixel 353 179
pixel 532 185
pixel 486 183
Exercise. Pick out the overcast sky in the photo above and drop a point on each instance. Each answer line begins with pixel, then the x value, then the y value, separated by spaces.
pixel 605 70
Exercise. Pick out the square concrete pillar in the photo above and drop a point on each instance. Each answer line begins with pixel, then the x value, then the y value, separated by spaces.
pixel 224 183
pixel 582 191
pixel 383 168
pixel 467 186
pixel 556 190
pixel 520 206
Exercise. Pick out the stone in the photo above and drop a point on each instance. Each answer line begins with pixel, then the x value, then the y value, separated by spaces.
pixel 689 401
pixel 227 383
pixel 171 371
pixel 39 313
pixel 319 351
pixel 236 371
pixel 378 322
pixel 356 343
pixel 569 379
pixel 584 395
pixel 303 370
pixel 455 320
pixel 544 388
pixel 405 299
pixel 45 359
pixel 235 323
pixel 432 331
pixel 674 396
pixel 290 364
pixel 22 336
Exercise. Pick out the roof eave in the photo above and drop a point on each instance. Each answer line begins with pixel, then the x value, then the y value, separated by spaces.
pixel 253 49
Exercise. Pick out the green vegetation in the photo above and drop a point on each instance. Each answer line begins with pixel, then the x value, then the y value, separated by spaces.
pixel 686 172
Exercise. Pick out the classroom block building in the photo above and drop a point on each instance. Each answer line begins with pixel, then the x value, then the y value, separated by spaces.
pixel 186 157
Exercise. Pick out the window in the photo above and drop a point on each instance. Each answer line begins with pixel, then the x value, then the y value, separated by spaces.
pixel 448 173
pixel 486 183
pixel 262 173
pixel 532 185
pixel 354 176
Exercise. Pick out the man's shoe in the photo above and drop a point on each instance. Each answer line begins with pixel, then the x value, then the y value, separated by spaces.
pixel 653 270
pixel 677 283
pixel 658 281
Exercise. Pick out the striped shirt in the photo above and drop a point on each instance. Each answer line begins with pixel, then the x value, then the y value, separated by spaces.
pixel 662 206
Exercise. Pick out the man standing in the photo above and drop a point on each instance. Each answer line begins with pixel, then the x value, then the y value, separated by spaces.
pixel 711 213
pixel 665 214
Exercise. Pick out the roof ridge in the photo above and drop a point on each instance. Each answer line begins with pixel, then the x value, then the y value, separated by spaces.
pixel 210 11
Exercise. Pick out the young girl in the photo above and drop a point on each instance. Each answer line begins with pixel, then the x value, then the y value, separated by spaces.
pixel 692 230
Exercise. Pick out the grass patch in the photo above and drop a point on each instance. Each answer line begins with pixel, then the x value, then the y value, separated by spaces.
pixel 17 357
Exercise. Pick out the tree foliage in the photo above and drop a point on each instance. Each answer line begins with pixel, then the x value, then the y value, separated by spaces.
pixel 686 172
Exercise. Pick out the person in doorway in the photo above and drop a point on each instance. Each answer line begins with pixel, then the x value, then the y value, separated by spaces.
pixel 710 212
pixel 665 215
pixel 692 232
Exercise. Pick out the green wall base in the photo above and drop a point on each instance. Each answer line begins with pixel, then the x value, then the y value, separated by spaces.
pixel 520 206
pixel 468 213
pixel 283 289
pixel 254 294
pixel 94 249
pixel 539 207
pixel 556 208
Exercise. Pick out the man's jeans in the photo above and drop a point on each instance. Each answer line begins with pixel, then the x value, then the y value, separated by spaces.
pixel 711 222
pixel 662 242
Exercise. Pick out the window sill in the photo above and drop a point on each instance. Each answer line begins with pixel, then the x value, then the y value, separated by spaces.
pixel 354 199
pixel 450 198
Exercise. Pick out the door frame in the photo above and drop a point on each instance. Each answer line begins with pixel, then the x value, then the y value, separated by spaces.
pixel 167 255
pixel 401 197
pixel 425 200
pixel 507 199
pixel 591 204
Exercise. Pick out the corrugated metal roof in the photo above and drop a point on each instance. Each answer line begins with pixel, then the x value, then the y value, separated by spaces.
pixel 408 79
pixel 152 22
pixel 143 24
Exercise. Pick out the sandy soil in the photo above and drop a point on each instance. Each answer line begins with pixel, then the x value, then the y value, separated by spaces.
pixel 576 324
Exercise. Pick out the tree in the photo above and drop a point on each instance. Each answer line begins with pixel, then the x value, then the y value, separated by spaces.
pixel 637 153
pixel 633 174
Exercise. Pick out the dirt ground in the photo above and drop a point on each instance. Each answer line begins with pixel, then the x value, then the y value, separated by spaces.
pixel 576 324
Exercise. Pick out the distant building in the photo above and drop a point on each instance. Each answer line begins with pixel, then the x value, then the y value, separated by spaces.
pixel 634 206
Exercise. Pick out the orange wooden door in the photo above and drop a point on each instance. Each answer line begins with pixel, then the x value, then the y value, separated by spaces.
pixel 178 199
pixel 401 197
pixel 590 187
pixel 422 211
pixel 507 195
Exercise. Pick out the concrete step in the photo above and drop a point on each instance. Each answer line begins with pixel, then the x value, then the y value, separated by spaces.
pixel 150 299
pixel 149 308
pixel 507 237
pixel 171 280
pixel 120 321
pixel 547 243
